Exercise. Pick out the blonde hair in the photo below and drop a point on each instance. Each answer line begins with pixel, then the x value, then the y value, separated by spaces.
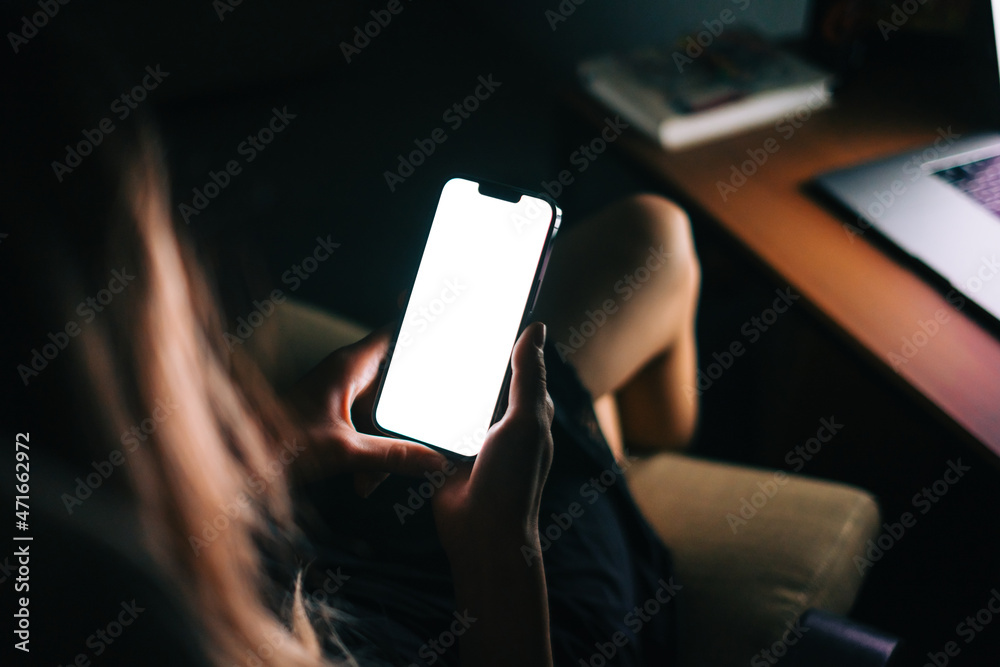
pixel 210 464
pixel 205 482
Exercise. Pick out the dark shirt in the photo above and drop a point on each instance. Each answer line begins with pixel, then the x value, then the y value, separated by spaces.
pixel 610 579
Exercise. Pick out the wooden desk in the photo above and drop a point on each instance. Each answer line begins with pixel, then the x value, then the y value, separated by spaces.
pixel 866 295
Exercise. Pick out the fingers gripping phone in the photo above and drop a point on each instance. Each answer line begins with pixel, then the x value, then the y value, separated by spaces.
pixel 444 383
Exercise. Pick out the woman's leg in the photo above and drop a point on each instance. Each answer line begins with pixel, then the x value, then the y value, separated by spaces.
pixel 619 299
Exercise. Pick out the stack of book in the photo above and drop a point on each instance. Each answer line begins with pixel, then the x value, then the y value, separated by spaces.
pixel 689 94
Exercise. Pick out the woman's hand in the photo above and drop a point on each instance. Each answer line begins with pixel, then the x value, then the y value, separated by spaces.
pixel 487 518
pixel 497 497
pixel 335 402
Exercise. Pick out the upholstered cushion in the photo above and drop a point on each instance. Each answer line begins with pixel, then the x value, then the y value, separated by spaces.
pixel 754 550
pixel 296 337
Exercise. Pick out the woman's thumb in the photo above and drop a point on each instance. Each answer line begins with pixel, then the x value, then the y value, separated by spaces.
pixel 527 383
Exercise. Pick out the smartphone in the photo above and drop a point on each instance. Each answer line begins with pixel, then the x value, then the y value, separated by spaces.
pixel 445 380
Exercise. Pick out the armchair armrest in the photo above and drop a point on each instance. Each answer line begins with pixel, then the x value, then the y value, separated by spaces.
pixel 832 641
pixel 754 549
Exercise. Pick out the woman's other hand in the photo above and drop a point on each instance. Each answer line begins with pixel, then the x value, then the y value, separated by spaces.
pixel 335 402
pixel 497 496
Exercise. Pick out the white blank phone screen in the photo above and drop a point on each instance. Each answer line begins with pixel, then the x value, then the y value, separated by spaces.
pixel 461 322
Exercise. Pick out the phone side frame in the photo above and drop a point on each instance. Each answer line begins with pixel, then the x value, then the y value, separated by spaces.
pixel 529 310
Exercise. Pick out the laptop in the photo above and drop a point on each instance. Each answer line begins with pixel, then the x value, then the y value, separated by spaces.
pixel 940 204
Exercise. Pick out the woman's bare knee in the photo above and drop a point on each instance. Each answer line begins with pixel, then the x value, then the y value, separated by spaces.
pixel 635 263
pixel 666 230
